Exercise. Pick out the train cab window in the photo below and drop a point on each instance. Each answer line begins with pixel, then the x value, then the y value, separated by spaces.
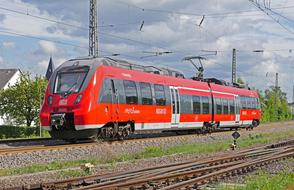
pixel 226 106
pixel 232 106
pixel 146 93
pixel 257 104
pixel 248 102
pixel 131 92
pixel 218 104
pixel 253 103
pixel 205 105
pixel 105 92
pixel 186 103
pixel 159 95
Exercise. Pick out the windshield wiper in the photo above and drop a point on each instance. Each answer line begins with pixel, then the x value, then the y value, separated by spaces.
pixel 70 89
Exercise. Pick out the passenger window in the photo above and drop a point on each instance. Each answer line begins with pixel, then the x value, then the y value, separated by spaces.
pixel 225 105
pixel 205 105
pixel 218 106
pixel 196 105
pixel 186 104
pixel 131 92
pixel 232 106
pixel 146 93
pixel 159 95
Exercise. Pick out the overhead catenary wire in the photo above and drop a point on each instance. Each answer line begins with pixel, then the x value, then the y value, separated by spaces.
pixel 120 37
pixel 207 15
pixel 82 28
pixel 265 9
pixel 62 43
pixel 44 39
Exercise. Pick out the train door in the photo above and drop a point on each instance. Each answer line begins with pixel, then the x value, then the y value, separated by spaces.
pixel 237 110
pixel 114 105
pixel 175 103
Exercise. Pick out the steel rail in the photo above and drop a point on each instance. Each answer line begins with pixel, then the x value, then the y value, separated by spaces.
pixel 172 168
pixel 26 149
pixel 143 182
pixel 176 173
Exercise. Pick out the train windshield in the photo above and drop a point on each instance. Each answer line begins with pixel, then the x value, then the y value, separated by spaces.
pixel 70 81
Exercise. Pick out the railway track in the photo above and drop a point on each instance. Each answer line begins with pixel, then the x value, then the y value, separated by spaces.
pixel 82 144
pixel 8 141
pixel 185 175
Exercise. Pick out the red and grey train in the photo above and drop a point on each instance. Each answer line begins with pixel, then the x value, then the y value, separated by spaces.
pixel 91 97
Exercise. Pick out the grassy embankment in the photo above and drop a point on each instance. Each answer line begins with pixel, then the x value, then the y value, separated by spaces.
pixel 149 152
pixel 265 181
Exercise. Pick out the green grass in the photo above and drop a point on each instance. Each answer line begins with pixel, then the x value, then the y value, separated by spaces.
pixel 151 152
pixel 264 181
pixel 72 173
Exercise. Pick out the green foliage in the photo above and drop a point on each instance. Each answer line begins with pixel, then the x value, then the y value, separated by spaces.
pixel 240 81
pixel 9 132
pixel 72 173
pixel 21 102
pixel 16 132
pixel 265 181
pixel 274 105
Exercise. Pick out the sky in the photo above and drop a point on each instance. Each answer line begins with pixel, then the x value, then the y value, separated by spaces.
pixel 32 30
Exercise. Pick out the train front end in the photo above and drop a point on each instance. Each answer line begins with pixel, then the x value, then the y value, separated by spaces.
pixel 67 103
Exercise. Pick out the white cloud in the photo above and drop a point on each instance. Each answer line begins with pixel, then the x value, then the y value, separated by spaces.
pixel 22 24
pixel 48 47
pixel 1 60
pixel 8 45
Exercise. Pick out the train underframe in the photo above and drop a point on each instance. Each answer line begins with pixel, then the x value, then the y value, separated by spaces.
pixel 122 130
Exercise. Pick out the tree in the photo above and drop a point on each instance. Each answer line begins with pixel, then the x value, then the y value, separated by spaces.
pixel 21 102
pixel 274 105
pixel 240 81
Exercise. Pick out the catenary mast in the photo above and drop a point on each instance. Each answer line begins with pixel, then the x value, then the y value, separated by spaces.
pixel 93 34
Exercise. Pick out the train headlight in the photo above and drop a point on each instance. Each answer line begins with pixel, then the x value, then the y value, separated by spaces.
pixel 79 98
pixel 50 98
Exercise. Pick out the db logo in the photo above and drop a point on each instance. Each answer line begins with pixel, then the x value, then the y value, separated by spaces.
pixel 63 102
pixel 160 111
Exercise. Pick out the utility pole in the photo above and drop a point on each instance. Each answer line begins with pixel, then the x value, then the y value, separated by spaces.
pixel 276 92
pixel 277 81
pixel 93 34
pixel 293 104
pixel 234 67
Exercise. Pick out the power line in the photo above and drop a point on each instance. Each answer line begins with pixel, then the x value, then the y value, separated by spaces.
pixel 257 5
pixel 82 28
pixel 50 20
pixel 59 42
pixel 210 15
pixel 39 38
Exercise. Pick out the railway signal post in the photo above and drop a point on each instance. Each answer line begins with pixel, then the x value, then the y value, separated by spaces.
pixel 235 135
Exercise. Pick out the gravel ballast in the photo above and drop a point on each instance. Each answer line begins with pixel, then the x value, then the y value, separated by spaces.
pixel 105 149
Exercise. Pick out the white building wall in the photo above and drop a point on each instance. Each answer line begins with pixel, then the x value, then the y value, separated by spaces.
pixel 11 82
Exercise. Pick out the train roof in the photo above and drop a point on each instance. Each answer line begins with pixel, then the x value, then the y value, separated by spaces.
pixel 95 62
